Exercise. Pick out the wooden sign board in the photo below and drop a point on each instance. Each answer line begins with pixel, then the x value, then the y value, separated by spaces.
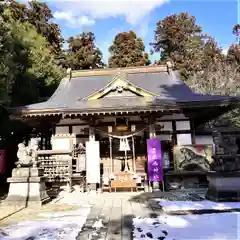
pixel 92 162
pixel 81 163
pixel 63 142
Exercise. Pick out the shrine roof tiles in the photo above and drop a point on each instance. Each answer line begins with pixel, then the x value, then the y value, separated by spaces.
pixel 72 93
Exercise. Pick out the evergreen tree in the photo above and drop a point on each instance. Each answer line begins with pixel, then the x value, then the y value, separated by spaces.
pixel 179 39
pixel 39 15
pixel 127 50
pixel 233 54
pixel 83 52
pixel 28 70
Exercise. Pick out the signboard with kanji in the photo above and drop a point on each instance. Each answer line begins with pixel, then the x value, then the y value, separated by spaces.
pixel 155 171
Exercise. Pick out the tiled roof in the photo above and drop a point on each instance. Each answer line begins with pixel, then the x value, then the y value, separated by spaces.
pixel 71 93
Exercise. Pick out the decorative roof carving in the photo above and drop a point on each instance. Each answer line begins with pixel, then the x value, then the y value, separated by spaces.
pixel 120 83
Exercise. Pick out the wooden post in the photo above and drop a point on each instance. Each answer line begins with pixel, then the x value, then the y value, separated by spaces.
pixel 111 158
pixel 70 171
pixel 125 162
pixel 91 134
pixel 92 138
pixel 134 157
pixel 152 131
pixel 152 128
pixel 192 131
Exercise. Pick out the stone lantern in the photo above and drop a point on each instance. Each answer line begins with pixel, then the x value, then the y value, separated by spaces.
pixel 224 177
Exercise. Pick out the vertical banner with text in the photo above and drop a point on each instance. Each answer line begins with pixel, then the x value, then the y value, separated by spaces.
pixel 155 171
pixel 2 161
pixel 92 162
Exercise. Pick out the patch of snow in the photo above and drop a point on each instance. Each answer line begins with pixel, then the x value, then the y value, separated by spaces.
pixel 197 205
pixel 72 199
pixel 220 226
pixel 98 224
pixel 84 211
pixel 62 226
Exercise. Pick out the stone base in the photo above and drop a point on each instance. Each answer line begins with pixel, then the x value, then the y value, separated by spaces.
pixel 27 190
pixel 223 187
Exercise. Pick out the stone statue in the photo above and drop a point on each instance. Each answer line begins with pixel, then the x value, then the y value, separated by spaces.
pixel 27 183
pixel 225 158
pixel 24 157
pixel 27 155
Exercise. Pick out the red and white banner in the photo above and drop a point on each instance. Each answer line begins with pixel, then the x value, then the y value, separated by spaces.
pixel 2 161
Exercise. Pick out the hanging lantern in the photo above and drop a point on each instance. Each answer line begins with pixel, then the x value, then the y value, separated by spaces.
pixel 124 145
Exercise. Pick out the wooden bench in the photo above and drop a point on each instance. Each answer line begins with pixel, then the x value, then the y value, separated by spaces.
pixel 123 180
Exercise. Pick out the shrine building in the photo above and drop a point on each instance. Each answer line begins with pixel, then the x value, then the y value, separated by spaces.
pixel 104 117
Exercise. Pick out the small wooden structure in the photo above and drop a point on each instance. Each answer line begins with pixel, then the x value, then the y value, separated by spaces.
pixel 124 180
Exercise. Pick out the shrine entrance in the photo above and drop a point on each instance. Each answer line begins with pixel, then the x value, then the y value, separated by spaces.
pixel 122 167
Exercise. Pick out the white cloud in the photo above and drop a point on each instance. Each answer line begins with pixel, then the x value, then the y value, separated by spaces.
pixel 225 51
pixel 73 20
pixel 82 13
pixel 132 10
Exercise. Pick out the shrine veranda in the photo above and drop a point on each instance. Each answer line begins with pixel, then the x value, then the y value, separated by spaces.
pixel 94 129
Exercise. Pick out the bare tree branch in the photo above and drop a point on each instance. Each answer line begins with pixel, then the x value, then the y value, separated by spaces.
pixel 219 78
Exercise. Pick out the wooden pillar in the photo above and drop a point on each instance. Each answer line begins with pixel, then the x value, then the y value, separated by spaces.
pixel 152 128
pixel 111 158
pixel 174 134
pixel 152 131
pixel 134 157
pixel 91 133
pixel 192 131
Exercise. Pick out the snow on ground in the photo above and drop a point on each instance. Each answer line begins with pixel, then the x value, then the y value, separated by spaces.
pixel 64 225
pixel 73 198
pixel 196 205
pixel 218 226
pixel 59 225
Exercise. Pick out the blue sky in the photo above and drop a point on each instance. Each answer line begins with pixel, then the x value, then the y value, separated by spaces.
pixel 108 17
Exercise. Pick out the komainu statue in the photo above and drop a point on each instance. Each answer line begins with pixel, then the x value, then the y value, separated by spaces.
pixel 27 155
